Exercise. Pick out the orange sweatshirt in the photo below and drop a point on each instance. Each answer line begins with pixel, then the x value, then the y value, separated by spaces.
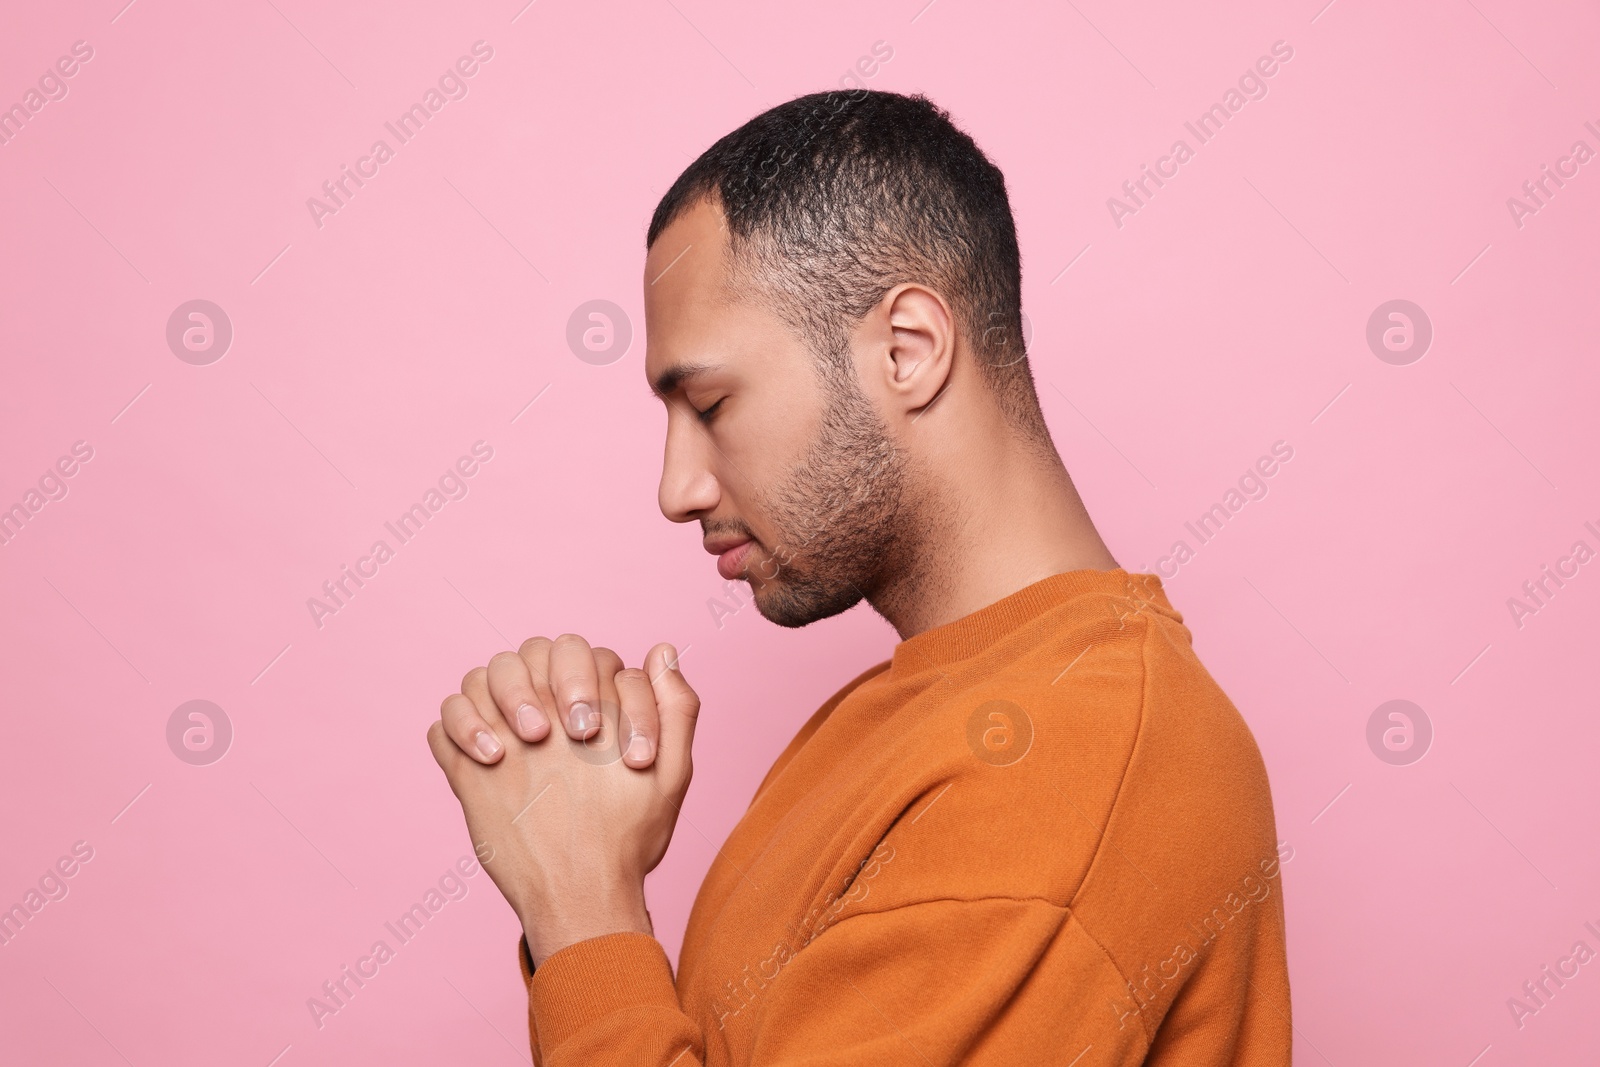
pixel 1039 832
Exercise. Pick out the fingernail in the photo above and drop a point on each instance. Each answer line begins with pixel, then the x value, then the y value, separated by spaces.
pixel 639 747
pixel 584 718
pixel 527 718
pixel 488 744
pixel 672 657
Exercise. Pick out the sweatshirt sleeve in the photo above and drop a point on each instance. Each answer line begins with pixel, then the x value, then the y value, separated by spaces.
pixel 607 1001
pixel 990 981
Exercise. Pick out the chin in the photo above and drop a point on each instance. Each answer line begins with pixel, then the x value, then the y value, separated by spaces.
pixel 794 607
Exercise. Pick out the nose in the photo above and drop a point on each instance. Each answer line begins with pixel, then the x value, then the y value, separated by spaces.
pixel 689 488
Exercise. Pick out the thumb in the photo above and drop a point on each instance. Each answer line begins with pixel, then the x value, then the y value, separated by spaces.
pixel 678 706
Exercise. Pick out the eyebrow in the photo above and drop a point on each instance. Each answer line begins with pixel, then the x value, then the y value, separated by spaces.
pixel 671 379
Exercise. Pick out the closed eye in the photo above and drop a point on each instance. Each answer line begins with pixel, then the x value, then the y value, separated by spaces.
pixel 709 413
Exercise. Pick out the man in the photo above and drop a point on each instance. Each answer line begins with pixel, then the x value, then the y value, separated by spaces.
pixel 1039 833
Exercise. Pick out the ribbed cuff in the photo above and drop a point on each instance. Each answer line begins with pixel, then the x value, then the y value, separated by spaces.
pixel 585 982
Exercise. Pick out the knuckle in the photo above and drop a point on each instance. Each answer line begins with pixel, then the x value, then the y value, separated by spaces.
pixel 460 722
pixel 573 676
pixel 504 659
pixel 607 659
pixel 534 644
pixel 569 640
pixel 476 676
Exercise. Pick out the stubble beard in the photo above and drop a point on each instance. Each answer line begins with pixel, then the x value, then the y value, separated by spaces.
pixel 841 516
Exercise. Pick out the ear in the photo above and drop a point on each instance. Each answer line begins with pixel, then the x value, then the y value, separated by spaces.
pixel 919 346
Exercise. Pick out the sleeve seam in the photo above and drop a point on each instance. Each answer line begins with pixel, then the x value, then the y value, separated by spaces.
pixel 1111 813
pixel 984 899
pixel 1122 781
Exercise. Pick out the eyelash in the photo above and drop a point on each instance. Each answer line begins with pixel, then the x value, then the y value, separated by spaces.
pixel 709 413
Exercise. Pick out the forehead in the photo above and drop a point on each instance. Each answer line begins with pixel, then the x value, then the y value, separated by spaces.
pixel 690 258
pixel 687 297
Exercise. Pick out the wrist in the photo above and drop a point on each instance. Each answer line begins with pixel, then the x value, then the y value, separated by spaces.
pixel 551 927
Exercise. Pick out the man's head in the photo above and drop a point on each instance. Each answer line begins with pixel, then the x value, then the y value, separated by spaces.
pixel 815 281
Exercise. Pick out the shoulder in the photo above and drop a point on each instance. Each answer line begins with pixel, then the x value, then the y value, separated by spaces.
pixel 1102 745
pixel 1116 695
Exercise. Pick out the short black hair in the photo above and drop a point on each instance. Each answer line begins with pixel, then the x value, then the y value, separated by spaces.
pixel 833 198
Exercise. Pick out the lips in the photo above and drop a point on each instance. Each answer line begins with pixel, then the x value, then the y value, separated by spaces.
pixel 731 560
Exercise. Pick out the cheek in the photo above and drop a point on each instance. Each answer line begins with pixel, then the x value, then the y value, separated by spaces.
pixel 747 453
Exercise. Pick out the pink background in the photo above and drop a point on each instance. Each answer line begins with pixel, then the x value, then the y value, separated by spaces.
pixel 368 354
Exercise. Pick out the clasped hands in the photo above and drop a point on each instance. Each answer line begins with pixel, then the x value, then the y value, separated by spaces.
pixel 570 770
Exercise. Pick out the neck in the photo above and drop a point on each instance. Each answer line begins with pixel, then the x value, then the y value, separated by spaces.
pixel 1000 519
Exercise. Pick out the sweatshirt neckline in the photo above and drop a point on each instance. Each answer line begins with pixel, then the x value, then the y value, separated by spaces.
pixel 971 634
